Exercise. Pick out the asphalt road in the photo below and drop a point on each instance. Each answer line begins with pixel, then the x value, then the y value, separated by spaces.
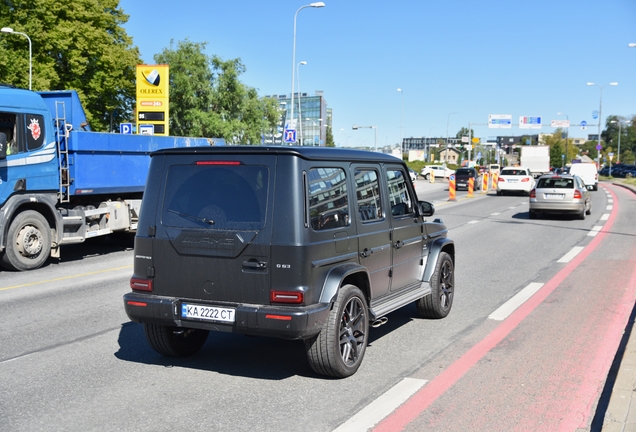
pixel 71 360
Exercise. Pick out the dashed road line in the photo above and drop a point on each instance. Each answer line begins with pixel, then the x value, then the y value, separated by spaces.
pixel 373 413
pixel 595 231
pixel 570 255
pixel 517 300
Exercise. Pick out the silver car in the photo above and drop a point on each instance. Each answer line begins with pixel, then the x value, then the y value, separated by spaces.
pixel 560 194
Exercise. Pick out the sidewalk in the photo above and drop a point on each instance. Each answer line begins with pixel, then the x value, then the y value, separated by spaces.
pixel 620 415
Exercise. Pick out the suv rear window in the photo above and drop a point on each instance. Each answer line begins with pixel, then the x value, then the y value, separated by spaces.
pixel 514 172
pixel 230 197
pixel 328 198
pixel 464 172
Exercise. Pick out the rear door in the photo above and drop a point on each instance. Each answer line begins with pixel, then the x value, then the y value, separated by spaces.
pixel 373 227
pixel 406 226
pixel 214 228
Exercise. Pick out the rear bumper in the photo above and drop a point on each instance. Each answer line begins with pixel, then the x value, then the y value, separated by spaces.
pixel 557 207
pixel 520 187
pixel 284 322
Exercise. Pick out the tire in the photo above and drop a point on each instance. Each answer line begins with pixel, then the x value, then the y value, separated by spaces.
pixel 532 214
pixel 339 348
pixel 581 215
pixel 426 176
pixel 28 242
pixel 589 210
pixel 439 303
pixel 175 341
pixel 499 193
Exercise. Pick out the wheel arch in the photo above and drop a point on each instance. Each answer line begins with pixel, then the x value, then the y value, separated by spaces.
pixel 351 273
pixel 43 204
pixel 439 245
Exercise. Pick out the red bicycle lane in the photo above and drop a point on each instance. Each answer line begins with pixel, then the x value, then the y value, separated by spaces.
pixel 544 366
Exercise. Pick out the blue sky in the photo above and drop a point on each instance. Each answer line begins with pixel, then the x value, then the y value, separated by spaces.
pixel 472 58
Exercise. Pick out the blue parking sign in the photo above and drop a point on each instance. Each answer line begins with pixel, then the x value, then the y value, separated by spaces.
pixel 125 128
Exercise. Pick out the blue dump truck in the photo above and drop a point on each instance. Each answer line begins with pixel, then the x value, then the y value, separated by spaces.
pixel 61 183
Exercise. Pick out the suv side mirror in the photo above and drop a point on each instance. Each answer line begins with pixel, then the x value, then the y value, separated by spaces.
pixel 426 208
pixel 3 145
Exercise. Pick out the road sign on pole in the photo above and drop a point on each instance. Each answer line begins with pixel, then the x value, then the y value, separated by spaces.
pixel 125 128
pixel 290 136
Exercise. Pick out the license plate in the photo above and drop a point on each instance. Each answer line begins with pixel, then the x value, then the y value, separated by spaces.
pixel 512 180
pixel 554 196
pixel 207 313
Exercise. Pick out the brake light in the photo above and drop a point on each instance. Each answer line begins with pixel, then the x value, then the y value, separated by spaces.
pixel 501 179
pixel 294 297
pixel 533 193
pixel 577 194
pixel 525 179
pixel 217 163
pixel 141 284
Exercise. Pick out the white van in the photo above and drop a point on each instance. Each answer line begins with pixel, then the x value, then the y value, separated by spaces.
pixel 588 173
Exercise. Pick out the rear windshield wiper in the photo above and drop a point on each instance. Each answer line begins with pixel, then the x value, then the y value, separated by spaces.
pixel 194 218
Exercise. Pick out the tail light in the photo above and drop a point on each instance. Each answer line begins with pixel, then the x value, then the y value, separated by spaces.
pixel 141 284
pixel 501 179
pixel 525 179
pixel 293 297
pixel 577 194
pixel 533 193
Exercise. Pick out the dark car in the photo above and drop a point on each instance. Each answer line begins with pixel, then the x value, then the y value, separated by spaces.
pixel 463 176
pixel 305 243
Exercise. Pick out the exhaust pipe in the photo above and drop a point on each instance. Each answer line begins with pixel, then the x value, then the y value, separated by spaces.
pixel 377 323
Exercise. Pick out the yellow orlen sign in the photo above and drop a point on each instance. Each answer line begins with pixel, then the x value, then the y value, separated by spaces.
pixel 153 100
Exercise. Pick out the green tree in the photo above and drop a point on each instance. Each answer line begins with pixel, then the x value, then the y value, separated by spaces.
pixel 208 99
pixel 79 45
pixel 329 138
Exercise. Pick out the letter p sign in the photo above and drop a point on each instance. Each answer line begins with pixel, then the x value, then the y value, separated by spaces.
pixel 125 128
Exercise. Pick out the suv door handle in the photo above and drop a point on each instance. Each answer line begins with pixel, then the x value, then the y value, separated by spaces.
pixel 366 253
pixel 255 264
pixel 399 244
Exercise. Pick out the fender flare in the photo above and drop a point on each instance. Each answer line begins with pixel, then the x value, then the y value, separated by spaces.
pixel 333 280
pixel 439 245
pixel 43 203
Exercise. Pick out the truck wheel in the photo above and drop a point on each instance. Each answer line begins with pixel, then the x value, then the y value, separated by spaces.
pixel 338 349
pixel 438 304
pixel 175 341
pixel 28 242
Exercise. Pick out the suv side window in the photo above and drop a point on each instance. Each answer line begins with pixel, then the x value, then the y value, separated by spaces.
pixel 328 198
pixel 400 200
pixel 368 195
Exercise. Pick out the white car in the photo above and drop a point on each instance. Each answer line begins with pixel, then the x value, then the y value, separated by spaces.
pixel 438 171
pixel 515 179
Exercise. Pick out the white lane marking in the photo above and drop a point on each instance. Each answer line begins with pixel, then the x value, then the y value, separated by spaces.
pixel 473 222
pixel 595 231
pixel 609 207
pixel 512 208
pixel 605 217
pixel 373 413
pixel 570 255
pixel 511 305
pixel 495 214
pixel 611 201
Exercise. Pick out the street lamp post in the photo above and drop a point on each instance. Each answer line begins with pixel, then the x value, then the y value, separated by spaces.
pixel 600 115
pixel 10 30
pixel 356 127
pixel 567 134
pixel 402 122
pixel 300 98
pixel 447 123
pixel 315 5
pixel 428 147
pixel 620 123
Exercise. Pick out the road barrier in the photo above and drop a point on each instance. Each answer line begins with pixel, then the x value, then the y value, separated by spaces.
pixel 431 177
pixel 495 178
pixel 471 187
pixel 484 183
pixel 451 188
